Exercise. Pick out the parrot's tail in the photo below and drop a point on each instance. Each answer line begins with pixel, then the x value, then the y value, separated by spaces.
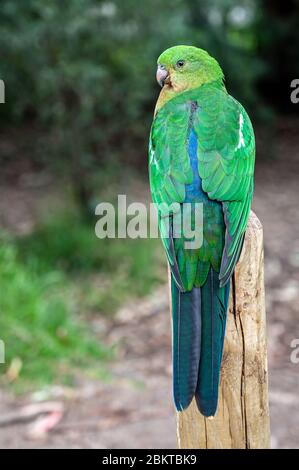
pixel 199 319
pixel 186 337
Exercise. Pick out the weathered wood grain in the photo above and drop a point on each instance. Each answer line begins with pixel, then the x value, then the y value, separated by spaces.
pixel 242 419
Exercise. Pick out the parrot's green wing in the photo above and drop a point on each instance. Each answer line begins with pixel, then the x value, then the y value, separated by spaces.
pixel 226 154
pixel 168 157
pixel 169 168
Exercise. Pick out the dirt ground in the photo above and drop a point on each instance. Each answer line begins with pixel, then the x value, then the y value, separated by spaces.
pixel 134 409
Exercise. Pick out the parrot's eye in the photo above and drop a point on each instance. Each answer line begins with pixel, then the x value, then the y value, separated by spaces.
pixel 180 64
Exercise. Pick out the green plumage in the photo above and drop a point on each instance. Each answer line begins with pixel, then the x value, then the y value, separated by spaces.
pixel 201 150
pixel 225 164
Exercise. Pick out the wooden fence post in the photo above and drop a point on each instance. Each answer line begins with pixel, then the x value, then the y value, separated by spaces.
pixel 242 419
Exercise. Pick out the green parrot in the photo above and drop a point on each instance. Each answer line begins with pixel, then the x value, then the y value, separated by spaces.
pixel 201 153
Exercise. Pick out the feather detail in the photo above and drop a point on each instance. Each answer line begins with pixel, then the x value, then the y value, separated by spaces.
pixel 186 338
pixel 214 302
pixel 202 150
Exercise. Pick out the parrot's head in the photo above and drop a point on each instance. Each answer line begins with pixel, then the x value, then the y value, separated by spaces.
pixel 182 68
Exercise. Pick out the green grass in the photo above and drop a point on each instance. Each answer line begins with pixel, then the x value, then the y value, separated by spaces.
pixel 52 281
pixel 106 272
pixel 37 322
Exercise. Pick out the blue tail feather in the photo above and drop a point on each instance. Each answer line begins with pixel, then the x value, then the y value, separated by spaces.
pixel 198 319
pixel 186 338
pixel 214 312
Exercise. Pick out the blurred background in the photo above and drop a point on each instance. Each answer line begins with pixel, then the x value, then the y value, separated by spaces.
pixel 85 321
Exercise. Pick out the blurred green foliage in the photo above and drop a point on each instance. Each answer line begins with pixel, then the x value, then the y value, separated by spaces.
pixel 56 277
pixel 125 267
pixel 85 68
pixel 83 72
pixel 80 92
pixel 36 322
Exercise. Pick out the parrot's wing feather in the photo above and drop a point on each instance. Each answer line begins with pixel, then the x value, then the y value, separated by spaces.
pixel 170 170
pixel 168 156
pixel 226 154
pixel 224 147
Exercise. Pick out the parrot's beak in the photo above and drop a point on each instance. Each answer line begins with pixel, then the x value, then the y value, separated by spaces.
pixel 162 75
